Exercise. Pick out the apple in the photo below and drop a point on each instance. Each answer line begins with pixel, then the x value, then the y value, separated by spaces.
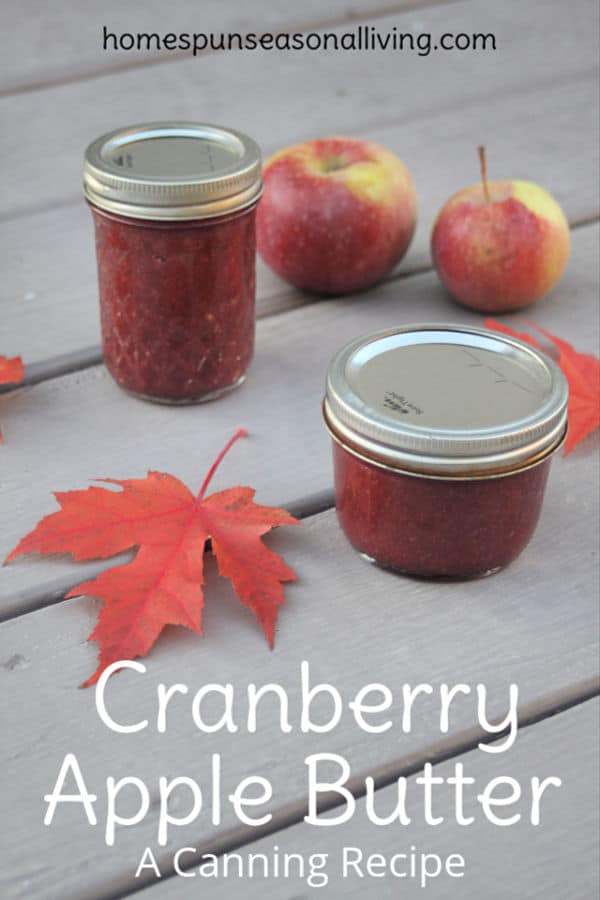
pixel 500 245
pixel 336 215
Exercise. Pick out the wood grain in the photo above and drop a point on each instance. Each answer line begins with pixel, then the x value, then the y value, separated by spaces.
pixel 535 623
pixel 555 860
pixel 354 623
pixel 60 434
pixel 48 292
pixel 307 94
pixel 50 44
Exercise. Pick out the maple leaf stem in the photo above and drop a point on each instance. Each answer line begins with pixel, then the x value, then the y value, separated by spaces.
pixel 240 433
pixel 483 164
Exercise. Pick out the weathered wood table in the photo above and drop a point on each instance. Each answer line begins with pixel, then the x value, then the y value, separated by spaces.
pixel 534 102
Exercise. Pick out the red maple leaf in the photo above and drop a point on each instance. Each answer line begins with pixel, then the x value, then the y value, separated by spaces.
pixel 521 335
pixel 163 585
pixel 11 372
pixel 582 371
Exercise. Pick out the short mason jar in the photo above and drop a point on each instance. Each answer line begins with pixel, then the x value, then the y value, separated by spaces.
pixel 174 207
pixel 442 442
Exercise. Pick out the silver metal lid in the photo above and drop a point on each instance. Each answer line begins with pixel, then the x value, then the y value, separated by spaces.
pixel 172 170
pixel 446 400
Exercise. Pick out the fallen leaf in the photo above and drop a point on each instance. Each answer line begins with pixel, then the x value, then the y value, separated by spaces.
pixel 521 335
pixel 582 371
pixel 169 526
pixel 11 372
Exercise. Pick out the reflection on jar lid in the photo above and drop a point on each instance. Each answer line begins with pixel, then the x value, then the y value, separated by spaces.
pixel 446 400
pixel 172 170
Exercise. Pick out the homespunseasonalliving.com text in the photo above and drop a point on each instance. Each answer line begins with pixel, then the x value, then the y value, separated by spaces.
pixel 361 38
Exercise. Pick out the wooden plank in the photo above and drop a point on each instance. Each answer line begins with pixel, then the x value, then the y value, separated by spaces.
pixel 65 42
pixel 48 290
pixel 296 100
pixel 520 862
pixel 355 624
pixel 61 433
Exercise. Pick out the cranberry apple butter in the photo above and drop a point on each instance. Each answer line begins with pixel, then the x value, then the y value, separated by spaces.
pixel 442 441
pixel 174 210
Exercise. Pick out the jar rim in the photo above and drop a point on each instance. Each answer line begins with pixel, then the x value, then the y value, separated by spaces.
pixel 434 475
pixel 200 221
pixel 172 170
pixel 446 400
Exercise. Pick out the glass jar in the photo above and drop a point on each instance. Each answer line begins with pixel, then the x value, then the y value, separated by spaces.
pixel 442 441
pixel 174 213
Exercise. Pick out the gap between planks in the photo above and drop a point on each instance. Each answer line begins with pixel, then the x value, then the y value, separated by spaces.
pixel 441 752
pixel 154 59
pixel 279 304
pixel 51 594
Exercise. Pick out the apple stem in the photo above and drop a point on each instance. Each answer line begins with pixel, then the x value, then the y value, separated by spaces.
pixel 482 163
pixel 241 432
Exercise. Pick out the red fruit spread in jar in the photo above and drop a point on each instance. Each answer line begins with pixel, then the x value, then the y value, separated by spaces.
pixel 174 212
pixel 442 441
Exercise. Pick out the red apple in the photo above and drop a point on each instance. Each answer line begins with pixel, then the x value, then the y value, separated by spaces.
pixel 336 215
pixel 500 245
